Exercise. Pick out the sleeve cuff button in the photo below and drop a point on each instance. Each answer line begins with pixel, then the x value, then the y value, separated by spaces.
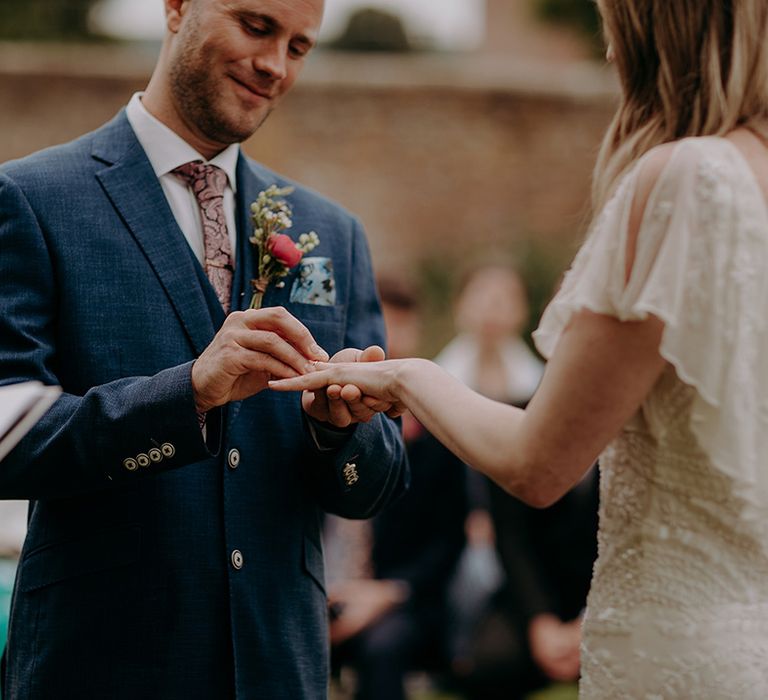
pixel 130 464
pixel 168 450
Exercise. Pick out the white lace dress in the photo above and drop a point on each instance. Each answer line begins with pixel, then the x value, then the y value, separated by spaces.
pixel 679 600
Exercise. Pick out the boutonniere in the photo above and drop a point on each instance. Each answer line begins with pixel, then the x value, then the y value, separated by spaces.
pixel 276 252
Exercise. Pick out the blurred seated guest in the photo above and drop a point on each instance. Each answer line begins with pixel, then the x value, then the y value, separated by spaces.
pixel 387 578
pixel 13 528
pixel 528 631
pixel 489 355
pixel 531 634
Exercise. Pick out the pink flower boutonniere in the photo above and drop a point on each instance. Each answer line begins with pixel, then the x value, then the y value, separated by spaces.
pixel 276 252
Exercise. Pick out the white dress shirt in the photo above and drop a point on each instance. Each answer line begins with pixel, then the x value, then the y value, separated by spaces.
pixel 166 151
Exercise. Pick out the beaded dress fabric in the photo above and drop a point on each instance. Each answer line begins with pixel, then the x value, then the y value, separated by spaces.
pixel 679 600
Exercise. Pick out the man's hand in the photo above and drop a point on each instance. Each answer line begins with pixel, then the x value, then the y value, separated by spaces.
pixel 555 646
pixel 251 348
pixel 361 602
pixel 342 406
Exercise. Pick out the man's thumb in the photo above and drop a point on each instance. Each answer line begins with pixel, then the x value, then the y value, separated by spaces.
pixel 372 353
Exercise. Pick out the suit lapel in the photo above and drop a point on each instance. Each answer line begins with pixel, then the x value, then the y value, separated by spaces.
pixel 134 190
pixel 248 188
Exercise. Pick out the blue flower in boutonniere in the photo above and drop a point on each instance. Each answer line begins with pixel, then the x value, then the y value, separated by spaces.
pixel 276 252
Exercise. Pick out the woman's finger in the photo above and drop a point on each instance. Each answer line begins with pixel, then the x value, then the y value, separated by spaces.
pixel 314 381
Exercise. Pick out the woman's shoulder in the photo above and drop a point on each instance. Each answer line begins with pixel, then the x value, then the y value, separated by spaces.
pixel 675 158
pixel 691 168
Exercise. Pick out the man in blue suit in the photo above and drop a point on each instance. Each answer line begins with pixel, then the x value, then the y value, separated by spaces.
pixel 173 547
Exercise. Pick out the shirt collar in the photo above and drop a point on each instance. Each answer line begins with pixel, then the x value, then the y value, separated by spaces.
pixel 166 150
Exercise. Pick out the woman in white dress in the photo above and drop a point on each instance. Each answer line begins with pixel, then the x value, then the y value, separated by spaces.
pixel 658 363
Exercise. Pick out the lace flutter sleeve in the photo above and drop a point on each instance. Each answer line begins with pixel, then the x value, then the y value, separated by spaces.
pixel 701 266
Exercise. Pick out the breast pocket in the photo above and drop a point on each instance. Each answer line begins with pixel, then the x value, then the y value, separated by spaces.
pixel 326 323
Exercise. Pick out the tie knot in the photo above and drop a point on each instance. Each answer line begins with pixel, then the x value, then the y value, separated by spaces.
pixel 204 179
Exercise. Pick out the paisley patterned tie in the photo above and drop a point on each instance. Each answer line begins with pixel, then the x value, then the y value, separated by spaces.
pixel 208 183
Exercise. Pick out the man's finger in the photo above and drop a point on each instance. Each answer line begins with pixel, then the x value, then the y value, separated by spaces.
pixel 373 353
pixel 278 320
pixel 350 393
pixel 347 355
pixel 340 415
pixel 376 405
pixel 259 362
pixel 272 344
pixel 316 404
pixel 360 412
pixel 334 392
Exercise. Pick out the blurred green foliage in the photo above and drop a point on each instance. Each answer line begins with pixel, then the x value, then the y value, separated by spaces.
pixel 581 14
pixel 44 19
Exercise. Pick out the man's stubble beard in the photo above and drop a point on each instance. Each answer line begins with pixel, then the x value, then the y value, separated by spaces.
pixel 196 94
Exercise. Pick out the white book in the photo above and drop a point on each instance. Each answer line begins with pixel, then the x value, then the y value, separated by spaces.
pixel 21 406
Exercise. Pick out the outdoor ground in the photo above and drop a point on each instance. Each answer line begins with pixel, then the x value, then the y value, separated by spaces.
pixel 420 689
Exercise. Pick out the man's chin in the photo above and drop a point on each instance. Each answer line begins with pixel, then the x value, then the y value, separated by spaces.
pixel 247 127
pixel 236 133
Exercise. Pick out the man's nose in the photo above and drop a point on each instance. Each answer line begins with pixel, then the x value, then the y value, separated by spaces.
pixel 272 60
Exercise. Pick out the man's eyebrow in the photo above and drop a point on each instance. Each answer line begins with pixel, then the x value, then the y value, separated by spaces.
pixel 271 22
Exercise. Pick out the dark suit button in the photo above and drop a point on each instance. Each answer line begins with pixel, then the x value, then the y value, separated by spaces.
pixel 130 464
pixel 155 455
pixel 142 460
pixel 237 559
pixel 233 458
pixel 168 450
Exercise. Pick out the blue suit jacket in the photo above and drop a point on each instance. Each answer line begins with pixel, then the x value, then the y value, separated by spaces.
pixel 126 586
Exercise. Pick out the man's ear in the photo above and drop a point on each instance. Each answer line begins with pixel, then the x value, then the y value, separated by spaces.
pixel 174 11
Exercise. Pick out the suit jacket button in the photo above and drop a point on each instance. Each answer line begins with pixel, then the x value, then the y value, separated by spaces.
pixel 168 450
pixel 237 559
pixel 155 455
pixel 233 458
pixel 142 460
pixel 130 464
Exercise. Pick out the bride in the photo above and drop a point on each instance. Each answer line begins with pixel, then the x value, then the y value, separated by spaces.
pixel 658 363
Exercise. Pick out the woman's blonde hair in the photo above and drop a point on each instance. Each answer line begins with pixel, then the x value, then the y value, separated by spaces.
pixel 687 68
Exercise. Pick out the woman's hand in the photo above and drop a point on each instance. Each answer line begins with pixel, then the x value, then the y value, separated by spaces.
pixel 378 382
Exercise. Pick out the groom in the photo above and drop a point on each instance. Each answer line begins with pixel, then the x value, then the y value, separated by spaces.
pixel 173 547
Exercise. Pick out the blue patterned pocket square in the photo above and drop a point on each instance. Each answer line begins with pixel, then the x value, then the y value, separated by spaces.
pixel 314 283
